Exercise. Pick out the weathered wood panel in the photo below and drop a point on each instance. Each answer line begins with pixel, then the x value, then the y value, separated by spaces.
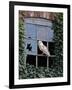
pixel 47 15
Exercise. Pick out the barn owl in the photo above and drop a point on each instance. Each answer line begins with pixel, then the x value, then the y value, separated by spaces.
pixel 43 48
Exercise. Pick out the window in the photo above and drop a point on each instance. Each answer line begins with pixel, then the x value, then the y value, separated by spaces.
pixel 38 29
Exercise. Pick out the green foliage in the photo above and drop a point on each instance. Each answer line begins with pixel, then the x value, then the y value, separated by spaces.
pixel 22 52
pixel 41 72
pixel 58 38
pixel 21 36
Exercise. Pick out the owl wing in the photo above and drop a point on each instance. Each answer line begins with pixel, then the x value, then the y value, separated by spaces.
pixel 45 50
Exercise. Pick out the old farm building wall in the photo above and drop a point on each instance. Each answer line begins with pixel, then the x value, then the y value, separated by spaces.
pixel 38 26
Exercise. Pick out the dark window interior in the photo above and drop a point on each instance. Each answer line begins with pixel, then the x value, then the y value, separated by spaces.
pixel 31 59
pixel 42 61
pixel 51 47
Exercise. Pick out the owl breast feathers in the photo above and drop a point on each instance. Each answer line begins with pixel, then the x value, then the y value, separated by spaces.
pixel 43 48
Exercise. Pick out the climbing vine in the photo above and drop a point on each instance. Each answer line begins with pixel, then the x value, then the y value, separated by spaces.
pixel 21 47
pixel 58 39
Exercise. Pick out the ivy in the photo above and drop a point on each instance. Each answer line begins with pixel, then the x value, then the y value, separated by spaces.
pixel 58 38
pixel 22 53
